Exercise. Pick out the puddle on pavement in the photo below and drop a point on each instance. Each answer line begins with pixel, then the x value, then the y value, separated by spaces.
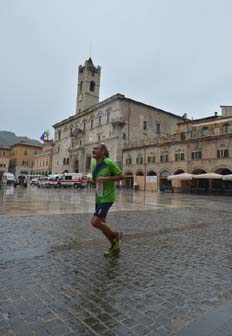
pixel 40 201
pixel 138 235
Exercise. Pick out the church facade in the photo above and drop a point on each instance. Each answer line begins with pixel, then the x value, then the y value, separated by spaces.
pixel 117 121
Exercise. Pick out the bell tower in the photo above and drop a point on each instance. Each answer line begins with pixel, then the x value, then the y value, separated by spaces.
pixel 88 86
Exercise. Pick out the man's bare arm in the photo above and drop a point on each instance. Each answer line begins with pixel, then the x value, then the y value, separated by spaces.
pixel 110 178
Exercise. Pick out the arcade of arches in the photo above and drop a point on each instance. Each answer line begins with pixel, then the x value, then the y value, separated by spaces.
pixel 153 181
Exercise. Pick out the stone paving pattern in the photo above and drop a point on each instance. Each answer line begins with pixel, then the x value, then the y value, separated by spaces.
pixel 175 265
pixel 217 322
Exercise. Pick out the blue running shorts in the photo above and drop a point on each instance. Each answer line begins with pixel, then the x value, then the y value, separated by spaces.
pixel 102 209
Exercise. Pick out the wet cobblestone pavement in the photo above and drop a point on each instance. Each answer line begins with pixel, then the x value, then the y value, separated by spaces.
pixel 175 266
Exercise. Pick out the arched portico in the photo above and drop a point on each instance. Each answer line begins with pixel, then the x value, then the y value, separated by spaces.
pixel 180 185
pixel 223 186
pixel 164 183
pixel 139 180
pixel 223 171
pixel 139 173
pixel 179 171
pixel 151 173
pixel 151 180
pixel 129 180
pixel 199 185
pixel 197 171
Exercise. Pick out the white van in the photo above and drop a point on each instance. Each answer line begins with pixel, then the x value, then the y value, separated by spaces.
pixel 70 180
pixel 8 178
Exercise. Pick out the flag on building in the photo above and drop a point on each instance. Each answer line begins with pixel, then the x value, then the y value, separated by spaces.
pixel 45 135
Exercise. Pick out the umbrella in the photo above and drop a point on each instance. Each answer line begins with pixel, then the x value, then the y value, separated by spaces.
pixel 210 176
pixel 182 176
pixel 227 177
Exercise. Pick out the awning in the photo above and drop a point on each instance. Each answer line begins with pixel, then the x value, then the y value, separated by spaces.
pixel 212 176
pixel 227 177
pixel 181 177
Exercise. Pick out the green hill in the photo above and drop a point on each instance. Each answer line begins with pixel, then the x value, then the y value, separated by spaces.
pixel 9 138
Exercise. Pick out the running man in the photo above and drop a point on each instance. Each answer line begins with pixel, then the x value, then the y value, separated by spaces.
pixel 104 174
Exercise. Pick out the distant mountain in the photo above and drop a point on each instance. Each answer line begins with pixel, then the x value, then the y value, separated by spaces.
pixel 9 138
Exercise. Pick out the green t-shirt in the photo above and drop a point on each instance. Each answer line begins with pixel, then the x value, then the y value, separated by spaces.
pixel 105 191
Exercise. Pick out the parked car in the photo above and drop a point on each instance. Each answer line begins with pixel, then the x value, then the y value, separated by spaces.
pixel 8 178
pixel 48 181
pixel 42 182
pixel 70 180
pixel 34 181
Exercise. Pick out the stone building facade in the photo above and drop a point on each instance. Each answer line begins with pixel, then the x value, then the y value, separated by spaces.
pixel 116 121
pixel 42 162
pixel 198 146
pixel 21 158
pixel 4 159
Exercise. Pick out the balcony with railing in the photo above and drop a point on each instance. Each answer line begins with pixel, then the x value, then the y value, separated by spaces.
pixel 118 121
pixel 76 132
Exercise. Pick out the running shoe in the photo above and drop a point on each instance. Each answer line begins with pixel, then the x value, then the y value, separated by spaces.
pixel 111 252
pixel 115 247
pixel 117 242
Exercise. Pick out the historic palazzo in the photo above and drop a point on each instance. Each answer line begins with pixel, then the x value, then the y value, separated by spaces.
pixel 117 121
pixel 149 144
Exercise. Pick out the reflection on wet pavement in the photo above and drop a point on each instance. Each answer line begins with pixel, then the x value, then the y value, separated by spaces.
pixel 175 264
pixel 32 200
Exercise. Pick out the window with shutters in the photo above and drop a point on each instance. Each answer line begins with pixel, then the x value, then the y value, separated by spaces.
pixel 151 159
pixel 139 160
pixel 164 158
pixel 222 153
pixel 128 161
pixel 179 156
pixel 196 155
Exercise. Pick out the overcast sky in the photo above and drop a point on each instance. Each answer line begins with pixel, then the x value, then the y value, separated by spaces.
pixel 173 54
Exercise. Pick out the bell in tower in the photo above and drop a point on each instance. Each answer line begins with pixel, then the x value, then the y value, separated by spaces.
pixel 88 86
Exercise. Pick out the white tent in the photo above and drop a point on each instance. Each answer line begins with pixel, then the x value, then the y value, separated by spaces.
pixel 227 177
pixel 181 177
pixel 211 176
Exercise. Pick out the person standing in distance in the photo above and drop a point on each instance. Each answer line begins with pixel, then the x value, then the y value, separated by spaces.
pixel 105 173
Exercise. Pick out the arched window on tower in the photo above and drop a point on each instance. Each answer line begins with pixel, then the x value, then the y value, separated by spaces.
pixel 92 86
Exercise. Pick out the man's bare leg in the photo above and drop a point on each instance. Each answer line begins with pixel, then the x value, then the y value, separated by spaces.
pixel 100 223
